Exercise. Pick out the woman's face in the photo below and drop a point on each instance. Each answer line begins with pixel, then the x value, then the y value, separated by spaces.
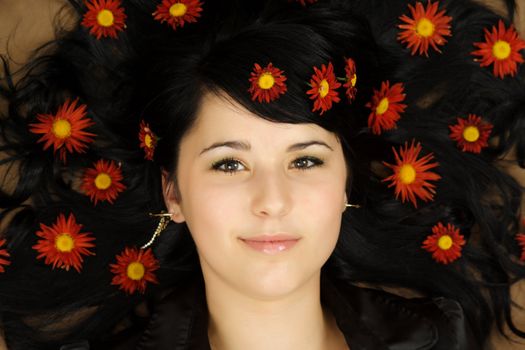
pixel 263 200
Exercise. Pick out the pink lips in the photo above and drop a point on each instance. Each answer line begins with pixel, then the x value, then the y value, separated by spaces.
pixel 271 244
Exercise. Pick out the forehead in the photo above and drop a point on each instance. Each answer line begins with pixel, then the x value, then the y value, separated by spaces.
pixel 220 118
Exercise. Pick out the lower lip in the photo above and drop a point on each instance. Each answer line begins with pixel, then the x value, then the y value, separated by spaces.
pixel 271 247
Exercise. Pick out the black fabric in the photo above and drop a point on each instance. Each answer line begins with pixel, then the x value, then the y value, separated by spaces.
pixel 83 345
pixel 368 318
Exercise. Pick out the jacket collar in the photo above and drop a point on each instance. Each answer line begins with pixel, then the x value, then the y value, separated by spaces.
pixel 369 319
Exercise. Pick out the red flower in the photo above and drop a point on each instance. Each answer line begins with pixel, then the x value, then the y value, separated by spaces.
pixel 471 134
pixel 304 2
pixel 267 83
pixel 501 48
pixel 148 140
pixel 178 12
pixel 351 79
pixel 65 130
pixel 63 245
pixel 411 174
pixel 3 256
pixel 104 18
pixel 520 238
pixel 445 243
pixel 103 181
pixel 134 268
pixel 425 27
pixel 324 85
pixel 386 107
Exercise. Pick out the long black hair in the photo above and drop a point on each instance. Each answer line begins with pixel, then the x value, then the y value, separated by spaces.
pixel 153 73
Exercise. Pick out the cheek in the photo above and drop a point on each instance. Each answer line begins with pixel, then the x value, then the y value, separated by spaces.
pixel 211 213
pixel 321 208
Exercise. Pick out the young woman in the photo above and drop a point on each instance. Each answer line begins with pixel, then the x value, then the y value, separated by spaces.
pixel 295 157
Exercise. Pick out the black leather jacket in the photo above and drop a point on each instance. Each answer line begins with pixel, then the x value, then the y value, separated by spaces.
pixel 369 319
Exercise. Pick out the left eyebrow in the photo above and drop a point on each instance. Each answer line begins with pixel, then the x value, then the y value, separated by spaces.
pixel 303 145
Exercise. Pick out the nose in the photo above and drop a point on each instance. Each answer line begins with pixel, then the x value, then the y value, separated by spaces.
pixel 271 194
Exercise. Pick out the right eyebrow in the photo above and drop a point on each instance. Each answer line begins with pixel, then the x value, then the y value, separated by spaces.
pixel 238 145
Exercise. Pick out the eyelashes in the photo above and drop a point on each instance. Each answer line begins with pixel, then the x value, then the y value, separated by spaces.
pixel 231 165
pixel 228 165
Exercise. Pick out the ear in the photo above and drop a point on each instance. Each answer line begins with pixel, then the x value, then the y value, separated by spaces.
pixel 172 197
pixel 345 201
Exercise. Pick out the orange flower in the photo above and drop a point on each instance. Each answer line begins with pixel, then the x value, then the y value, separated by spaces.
pixel 425 27
pixel 63 245
pixel 445 243
pixel 471 134
pixel 178 12
pixel 104 18
pixel 103 181
pixel 303 2
pixel 351 79
pixel 148 140
pixel 501 48
pixel 324 85
pixel 134 268
pixel 65 130
pixel 267 83
pixel 3 256
pixel 386 107
pixel 411 174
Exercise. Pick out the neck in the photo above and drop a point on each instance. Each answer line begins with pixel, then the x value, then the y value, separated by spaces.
pixel 294 321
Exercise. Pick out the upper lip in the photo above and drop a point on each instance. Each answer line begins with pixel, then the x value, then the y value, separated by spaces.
pixel 271 238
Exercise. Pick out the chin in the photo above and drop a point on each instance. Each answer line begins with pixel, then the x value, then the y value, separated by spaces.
pixel 276 285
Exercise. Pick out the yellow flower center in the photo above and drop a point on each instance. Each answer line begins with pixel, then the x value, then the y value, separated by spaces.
pixel 148 141
pixel 178 10
pixel 407 174
pixel 266 81
pixel 471 134
pixel 105 18
pixel 353 81
pixel 324 88
pixel 61 128
pixel 425 27
pixel 445 242
pixel 135 271
pixel 64 243
pixel 501 50
pixel 382 107
pixel 103 181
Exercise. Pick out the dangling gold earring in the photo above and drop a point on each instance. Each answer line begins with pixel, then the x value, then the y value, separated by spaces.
pixel 165 219
pixel 352 205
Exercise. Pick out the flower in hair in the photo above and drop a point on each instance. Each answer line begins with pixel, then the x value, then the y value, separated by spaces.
pixel 65 130
pixel 471 134
pixel 502 48
pixel 148 140
pixel 267 83
pixel 411 175
pixel 520 238
pixel 351 79
pixel 134 269
pixel 178 12
pixel 425 27
pixel 386 107
pixel 62 244
pixel 324 84
pixel 4 255
pixel 103 182
pixel 445 243
pixel 304 2
pixel 104 18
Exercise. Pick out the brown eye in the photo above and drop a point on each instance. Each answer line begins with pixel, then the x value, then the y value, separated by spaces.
pixel 305 163
pixel 228 165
